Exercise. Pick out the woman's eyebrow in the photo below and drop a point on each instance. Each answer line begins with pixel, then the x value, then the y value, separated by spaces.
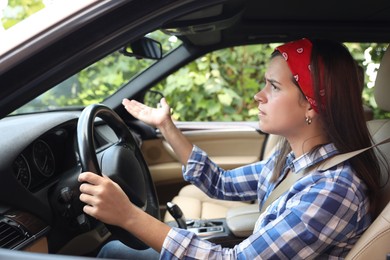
pixel 272 81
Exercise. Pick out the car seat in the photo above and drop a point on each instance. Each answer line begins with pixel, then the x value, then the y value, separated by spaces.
pixel 375 242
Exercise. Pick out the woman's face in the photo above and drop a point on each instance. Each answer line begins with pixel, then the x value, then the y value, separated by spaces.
pixel 282 107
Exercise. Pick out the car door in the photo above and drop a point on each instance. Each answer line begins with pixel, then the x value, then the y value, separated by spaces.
pixel 230 145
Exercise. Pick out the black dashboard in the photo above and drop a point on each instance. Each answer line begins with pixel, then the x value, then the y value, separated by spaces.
pixel 39 155
pixel 46 158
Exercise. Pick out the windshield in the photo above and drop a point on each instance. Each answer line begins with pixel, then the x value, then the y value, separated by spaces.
pixel 98 81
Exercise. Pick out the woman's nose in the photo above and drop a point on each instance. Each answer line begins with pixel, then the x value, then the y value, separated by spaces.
pixel 259 97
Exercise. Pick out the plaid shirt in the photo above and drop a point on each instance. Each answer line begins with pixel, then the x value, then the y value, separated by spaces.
pixel 322 215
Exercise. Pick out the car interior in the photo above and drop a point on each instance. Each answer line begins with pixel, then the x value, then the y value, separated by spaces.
pixel 40 214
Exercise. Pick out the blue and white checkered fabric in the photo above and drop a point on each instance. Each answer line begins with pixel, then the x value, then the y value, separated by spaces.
pixel 321 215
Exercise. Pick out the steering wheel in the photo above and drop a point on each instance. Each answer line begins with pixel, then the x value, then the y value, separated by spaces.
pixel 122 162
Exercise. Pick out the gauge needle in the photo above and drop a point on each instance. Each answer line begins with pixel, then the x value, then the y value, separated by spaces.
pixel 44 163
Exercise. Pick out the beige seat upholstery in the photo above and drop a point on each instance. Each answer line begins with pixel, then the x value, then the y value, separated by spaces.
pixel 375 242
pixel 195 204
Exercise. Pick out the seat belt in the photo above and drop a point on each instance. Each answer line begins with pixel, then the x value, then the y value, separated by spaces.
pixel 291 178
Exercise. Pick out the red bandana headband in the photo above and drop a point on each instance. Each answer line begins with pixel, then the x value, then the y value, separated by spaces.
pixel 298 55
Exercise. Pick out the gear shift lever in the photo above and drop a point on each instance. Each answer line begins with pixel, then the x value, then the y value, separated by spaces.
pixel 177 214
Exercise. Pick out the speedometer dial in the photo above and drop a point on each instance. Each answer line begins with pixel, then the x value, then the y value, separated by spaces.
pixel 22 171
pixel 43 158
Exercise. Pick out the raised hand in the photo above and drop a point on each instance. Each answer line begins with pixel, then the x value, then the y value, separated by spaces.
pixel 161 118
pixel 152 116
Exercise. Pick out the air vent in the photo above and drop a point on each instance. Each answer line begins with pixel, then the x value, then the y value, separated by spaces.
pixel 11 234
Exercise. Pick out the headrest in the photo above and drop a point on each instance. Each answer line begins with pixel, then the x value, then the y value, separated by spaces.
pixel 382 83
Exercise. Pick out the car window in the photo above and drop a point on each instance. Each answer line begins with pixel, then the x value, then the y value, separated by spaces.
pixel 220 85
pixel 98 81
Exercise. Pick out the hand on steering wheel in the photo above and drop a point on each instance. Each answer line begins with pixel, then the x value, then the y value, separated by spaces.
pixel 105 200
pixel 122 162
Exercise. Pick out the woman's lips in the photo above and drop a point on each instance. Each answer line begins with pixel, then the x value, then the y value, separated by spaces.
pixel 261 113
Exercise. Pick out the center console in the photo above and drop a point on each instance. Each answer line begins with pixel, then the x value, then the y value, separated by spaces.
pixel 228 232
pixel 213 230
pixel 237 226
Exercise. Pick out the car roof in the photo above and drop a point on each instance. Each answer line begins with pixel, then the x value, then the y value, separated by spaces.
pixel 284 20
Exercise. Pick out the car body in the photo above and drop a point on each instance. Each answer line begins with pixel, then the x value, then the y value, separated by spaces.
pixel 40 157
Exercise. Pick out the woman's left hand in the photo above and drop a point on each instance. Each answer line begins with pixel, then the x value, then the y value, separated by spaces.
pixel 105 199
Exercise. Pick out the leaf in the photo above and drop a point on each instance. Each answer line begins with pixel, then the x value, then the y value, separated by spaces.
pixel 225 99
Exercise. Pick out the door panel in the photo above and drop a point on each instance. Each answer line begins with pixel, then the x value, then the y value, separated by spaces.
pixel 230 145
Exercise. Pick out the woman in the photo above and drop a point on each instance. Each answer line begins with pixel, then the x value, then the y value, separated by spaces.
pixel 310 98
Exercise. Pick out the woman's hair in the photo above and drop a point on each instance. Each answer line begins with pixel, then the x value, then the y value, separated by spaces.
pixel 334 70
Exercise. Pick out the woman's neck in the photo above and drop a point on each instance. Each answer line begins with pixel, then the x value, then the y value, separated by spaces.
pixel 306 144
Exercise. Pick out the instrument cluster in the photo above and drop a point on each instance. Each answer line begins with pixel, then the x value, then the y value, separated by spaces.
pixel 44 159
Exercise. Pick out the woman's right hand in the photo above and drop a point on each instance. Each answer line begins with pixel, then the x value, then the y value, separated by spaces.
pixel 152 116
pixel 161 118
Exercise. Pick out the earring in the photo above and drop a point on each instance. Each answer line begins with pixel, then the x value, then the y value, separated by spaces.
pixel 308 120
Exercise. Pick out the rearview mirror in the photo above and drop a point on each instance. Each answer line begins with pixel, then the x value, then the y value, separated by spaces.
pixel 144 48
pixel 152 98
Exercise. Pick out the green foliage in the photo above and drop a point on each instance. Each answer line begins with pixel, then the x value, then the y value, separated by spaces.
pixel 219 86
pixel 101 79
pixel 17 10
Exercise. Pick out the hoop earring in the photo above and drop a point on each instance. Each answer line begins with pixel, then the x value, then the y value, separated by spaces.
pixel 308 120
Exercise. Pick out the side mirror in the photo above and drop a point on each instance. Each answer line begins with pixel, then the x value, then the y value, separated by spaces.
pixel 143 48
